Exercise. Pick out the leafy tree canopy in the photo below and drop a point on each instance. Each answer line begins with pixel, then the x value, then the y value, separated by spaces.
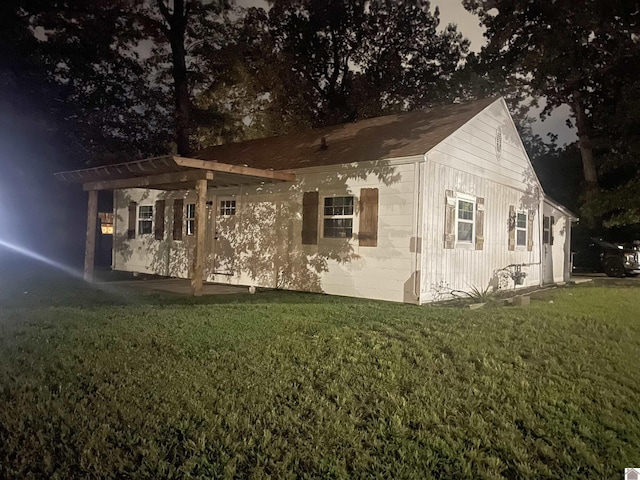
pixel 584 55
pixel 357 58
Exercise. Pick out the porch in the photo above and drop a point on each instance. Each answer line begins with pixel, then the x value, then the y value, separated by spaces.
pixel 167 173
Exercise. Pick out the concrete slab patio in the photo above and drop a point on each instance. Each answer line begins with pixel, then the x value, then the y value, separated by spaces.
pixel 179 285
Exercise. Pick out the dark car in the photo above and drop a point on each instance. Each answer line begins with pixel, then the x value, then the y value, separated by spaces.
pixel 614 259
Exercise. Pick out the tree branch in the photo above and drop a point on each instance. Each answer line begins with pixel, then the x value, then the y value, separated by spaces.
pixel 315 84
pixel 164 10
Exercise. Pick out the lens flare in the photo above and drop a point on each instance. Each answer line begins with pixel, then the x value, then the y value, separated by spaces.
pixel 60 266
pixel 41 258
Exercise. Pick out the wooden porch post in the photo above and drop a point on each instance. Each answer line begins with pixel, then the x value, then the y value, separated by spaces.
pixel 200 234
pixel 90 245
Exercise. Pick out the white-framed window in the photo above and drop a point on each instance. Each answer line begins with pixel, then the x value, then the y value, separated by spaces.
pixel 338 217
pixel 465 219
pixel 521 229
pixel 191 218
pixel 227 207
pixel 145 219
pixel 546 230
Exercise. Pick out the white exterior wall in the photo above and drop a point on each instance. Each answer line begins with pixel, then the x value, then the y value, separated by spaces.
pixel 268 238
pixel 468 162
pixel 409 264
pixel 143 254
pixel 557 257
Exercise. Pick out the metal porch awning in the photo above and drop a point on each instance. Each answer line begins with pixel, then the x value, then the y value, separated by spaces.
pixel 171 173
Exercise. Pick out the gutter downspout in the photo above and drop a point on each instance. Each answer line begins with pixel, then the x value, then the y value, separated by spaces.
pixel 419 170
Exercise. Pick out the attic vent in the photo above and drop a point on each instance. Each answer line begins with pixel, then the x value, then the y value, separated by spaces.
pixel 498 143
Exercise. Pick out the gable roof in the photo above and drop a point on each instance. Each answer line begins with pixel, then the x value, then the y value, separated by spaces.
pixel 391 136
pixel 269 159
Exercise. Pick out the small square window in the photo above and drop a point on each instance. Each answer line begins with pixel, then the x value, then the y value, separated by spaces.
pixel 227 207
pixel 465 210
pixel 465 232
pixel 338 227
pixel 145 219
pixel 338 206
pixel 338 213
pixel 191 218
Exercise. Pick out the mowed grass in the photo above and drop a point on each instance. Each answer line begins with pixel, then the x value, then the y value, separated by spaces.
pixel 117 384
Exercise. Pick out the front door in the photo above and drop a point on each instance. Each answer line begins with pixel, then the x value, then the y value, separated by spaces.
pixel 224 235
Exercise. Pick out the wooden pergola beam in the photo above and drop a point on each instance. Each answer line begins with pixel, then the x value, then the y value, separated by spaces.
pixel 200 234
pixel 90 245
pixel 237 169
pixel 150 181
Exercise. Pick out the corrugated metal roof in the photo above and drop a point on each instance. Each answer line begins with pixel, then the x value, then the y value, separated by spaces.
pixel 392 136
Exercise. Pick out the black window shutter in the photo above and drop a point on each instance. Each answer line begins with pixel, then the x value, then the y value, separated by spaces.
pixel 310 218
pixel 133 210
pixel 178 205
pixel 159 224
pixel 479 223
pixel 368 230
pixel 449 219
pixel 530 230
pixel 512 227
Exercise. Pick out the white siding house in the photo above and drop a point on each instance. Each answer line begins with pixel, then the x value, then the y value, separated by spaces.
pixel 406 208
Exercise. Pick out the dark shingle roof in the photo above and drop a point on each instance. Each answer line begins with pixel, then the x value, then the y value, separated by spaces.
pixel 392 136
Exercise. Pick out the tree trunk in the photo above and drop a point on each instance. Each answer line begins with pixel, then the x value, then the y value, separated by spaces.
pixel 176 32
pixel 586 150
pixel 181 93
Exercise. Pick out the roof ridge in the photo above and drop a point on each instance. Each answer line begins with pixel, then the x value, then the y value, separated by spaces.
pixel 391 136
pixel 337 126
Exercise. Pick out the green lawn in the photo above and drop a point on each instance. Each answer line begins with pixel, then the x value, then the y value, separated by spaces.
pixel 111 384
